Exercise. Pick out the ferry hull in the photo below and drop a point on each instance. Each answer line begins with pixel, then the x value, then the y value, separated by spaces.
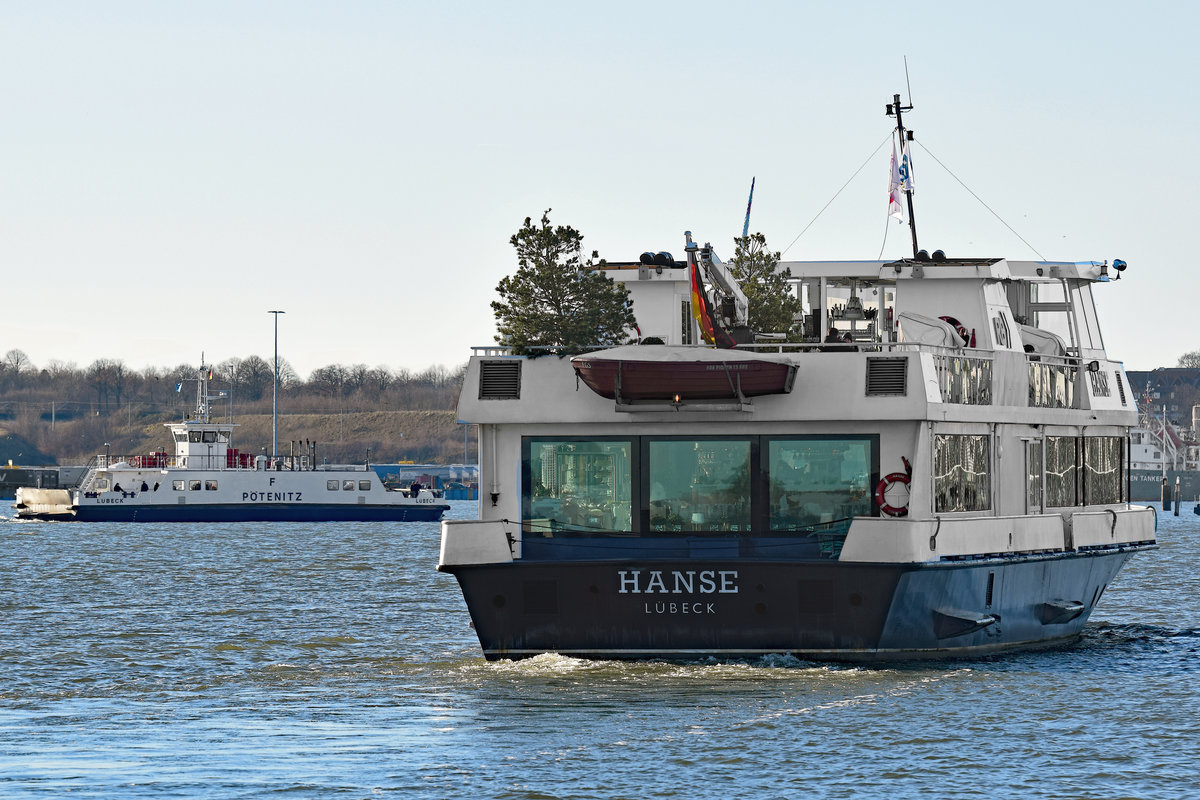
pixel 257 513
pixel 821 610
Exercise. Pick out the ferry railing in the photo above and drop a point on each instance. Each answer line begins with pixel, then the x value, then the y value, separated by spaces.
pixel 1052 381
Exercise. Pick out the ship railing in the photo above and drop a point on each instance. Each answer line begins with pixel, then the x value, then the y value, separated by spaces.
pixel 89 473
pixel 867 346
pixel 1052 381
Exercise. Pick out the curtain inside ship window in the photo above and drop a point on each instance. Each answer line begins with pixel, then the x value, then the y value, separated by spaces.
pixel 577 485
pixel 819 480
pixel 1061 471
pixel 699 485
pixel 1103 469
pixel 961 473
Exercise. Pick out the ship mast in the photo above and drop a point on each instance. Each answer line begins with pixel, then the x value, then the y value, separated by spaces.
pixel 894 109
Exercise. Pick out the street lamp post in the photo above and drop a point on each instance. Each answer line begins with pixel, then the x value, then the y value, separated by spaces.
pixel 275 391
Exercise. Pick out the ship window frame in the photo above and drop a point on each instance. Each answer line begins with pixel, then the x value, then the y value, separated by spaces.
pixel 1057 485
pixel 753 458
pixel 210 486
pixel 527 484
pixel 957 495
pixel 333 485
pixel 348 485
pixel 193 486
pixel 640 490
pixel 179 486
pixel 764 487
pixel 1090 484
pixel 364 485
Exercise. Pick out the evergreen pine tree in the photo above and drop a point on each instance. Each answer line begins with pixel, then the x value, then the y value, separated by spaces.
pixel 773 305
pixel 556 302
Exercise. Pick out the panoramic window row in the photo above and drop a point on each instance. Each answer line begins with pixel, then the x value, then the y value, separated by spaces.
pixel 347 485
pixel 697 484
pixel 194 486
pixel 1062 471
pixel 1083 470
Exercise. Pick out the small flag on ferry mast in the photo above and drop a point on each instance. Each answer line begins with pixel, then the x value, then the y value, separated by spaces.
pixel 895 209
pixel 907 184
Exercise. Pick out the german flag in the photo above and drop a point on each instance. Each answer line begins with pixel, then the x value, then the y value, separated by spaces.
pixel 710 330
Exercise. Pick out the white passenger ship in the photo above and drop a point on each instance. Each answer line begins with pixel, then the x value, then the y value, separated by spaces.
pixel 950 481
pixel 207 480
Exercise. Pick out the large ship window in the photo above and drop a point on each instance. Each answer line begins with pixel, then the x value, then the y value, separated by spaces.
pixel 820 480
pixel 1085 307
pixel 699 484
pixel 577 484
pixel 1033 472
pixel 1103 463
pixel 1050 310
pixel 1061 471
pixel 961 473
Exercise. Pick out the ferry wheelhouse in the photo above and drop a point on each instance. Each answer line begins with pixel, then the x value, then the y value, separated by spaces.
pixel 947 475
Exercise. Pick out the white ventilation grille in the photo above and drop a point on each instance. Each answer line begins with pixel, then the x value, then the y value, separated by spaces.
pixel 887 376
pixel 500 380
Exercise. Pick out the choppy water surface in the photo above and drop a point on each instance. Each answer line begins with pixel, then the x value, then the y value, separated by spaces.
pixel 332 660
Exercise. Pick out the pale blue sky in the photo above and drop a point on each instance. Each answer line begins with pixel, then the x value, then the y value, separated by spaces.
pixel 171 171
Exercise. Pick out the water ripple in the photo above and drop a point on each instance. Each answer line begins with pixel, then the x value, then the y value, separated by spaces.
pixel 322 660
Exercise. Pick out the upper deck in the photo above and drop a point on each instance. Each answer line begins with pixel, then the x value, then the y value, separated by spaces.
pixel 967 340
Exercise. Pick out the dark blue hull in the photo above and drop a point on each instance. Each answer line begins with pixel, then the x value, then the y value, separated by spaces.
pixel 245 512
pixel 821 609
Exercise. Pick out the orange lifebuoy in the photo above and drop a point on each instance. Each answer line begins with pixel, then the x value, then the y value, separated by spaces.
pixel 885 483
